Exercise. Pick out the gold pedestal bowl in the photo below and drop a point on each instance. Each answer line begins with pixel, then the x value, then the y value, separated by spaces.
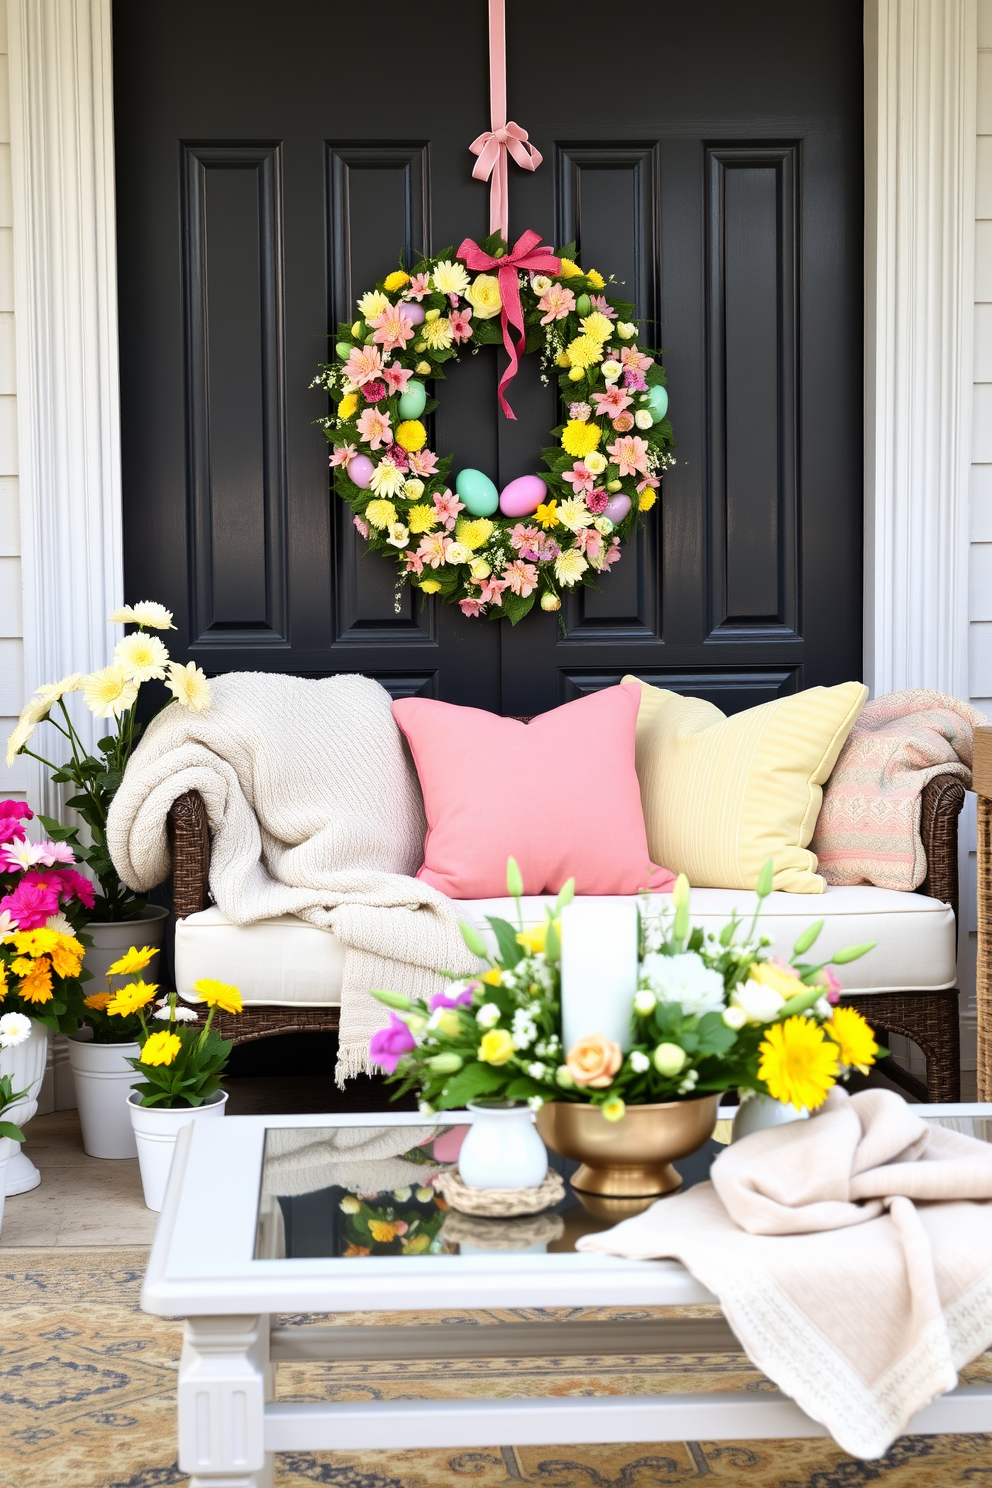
pixel 630 1158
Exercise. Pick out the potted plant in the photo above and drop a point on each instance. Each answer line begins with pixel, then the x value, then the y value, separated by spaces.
pixel 44 901
pixel 100 1055
pixel 710 1013
pixel 119 917
pixel 15 1030
pixel 181 1062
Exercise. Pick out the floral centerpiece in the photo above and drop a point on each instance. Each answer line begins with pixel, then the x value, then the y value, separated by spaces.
pixel 406 1221
pixel 711 1012
pixel 111 693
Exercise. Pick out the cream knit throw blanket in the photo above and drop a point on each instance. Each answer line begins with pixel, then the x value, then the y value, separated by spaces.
pixel 314 810
pixel 849 1255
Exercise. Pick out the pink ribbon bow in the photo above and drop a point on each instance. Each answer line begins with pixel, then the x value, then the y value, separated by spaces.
pixel 527 254
pixel 502 138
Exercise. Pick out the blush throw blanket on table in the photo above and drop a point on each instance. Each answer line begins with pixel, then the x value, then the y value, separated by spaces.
pixel 849 1257
pixel 868 829
pixel 314 810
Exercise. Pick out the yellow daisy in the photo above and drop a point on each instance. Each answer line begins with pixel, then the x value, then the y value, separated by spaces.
pixel 856 1045
pixel 597 325
pixel 189 686
pixel 130 998
pixel 395 281
pixel 472 535
pixel 141 657
pixel 568 269
pixel 595 278
pixel 219 994
pixel 132 961
pixel 578 438
pixel 547 515
pixel 798 1063
pixel 161 1048
pixel 98 1002
pixel 109 692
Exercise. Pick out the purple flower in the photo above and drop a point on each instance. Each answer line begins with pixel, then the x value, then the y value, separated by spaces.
pixel 632 378
pixel 445 1000
pixel 388 1045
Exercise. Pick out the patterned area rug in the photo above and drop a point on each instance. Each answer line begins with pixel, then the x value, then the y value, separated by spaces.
pixel 87 1400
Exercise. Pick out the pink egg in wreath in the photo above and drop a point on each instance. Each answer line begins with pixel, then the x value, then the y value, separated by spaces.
pixel 617 508
pixel 412 312
pixel 522 497
pixel 360 471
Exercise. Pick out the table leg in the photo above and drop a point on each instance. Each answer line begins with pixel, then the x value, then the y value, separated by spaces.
pixel 225 1379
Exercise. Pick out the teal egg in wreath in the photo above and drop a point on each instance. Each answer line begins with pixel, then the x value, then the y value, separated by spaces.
pixel 477 491
pixel 413 402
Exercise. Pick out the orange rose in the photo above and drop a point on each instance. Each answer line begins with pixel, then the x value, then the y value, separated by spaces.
pixel 594 1061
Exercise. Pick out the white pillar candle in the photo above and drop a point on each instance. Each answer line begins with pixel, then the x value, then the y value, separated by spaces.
pixel 598 969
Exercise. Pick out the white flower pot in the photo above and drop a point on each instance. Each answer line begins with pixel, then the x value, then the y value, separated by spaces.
pixel 25 1063
pixel 103 1079
pixel 502 1148
pixel 111 938
pixel 7 1148
pixel 156 1129
pixel 757 1112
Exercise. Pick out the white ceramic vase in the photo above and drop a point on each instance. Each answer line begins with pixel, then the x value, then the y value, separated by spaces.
pixel 103 1079
pixel 502 1148
pixel 758 1112
pixel 7 1149
pixel 111 938
pixel 156 1129
pixel 25 1063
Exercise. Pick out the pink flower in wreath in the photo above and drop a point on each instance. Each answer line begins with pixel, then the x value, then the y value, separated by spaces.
pixel 342 453
pixel 419 285
pixel 392 329
pixel 492 591
pixel 524 537
pixel 602 304
pixel 580 411
pixel 630 454
pixel 363 365
pixel 396 377
pixel 557 302
pixel 623 422
pixel 579 478
pixel 414 562
pixel 388 1045
pixel 471 607
pixel 634 360
pixel 375 427
pixel 460 322
pixel 31 904
pixel 361 526
pixel 612 555
pixel 590 542
pixel 75 886
pixel 597 501
pixel 433 548
pixel 374 392
pixel 649 480
pixel 634 379
pixel 612 402
pixel 446 507
pixel 399 456
pixel 423 462
pixel 521 577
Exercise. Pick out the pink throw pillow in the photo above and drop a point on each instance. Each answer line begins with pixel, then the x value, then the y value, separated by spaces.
pixel 559 794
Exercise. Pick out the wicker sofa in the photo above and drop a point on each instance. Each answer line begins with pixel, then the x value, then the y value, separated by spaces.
pixel 920 934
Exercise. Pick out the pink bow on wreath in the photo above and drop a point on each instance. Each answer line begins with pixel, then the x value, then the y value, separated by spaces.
pixel 503 137
pixel 529 255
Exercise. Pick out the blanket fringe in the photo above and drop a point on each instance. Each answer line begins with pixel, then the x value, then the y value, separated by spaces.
pixel 353 1060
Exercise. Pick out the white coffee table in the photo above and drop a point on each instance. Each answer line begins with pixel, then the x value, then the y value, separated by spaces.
pixel 217 1261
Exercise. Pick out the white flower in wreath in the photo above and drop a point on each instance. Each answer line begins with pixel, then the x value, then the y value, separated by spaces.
pixel 450 278
pixel 387 478
pixel 639 1062
pixel 758 1003
pixel 611 371
pixel 574 514
pixel 458 553
pixel 685 980
pixel 373 304
pixel 596 462
pixel 397 534
pixel 540 284
pixel 488 1015
pixel 643 418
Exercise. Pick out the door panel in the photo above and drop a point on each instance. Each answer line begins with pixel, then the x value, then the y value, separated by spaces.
pixel 267 177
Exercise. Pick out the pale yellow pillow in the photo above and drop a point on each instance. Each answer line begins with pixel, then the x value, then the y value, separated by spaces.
pixel 720 795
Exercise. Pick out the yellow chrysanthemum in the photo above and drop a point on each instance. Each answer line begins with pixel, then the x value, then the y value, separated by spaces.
pixel 189 686
pixel 597 325
pixel 132 961
pixel 856 1045
pixel 380 513
pixel 473 535
pixel 570 566
pixel 798 1063
pixel 496 1046
pixel 161 1048
pixel 219 994
pixel 647 499
pixel 109 692
pixel 37 985
pixel 450 277
pixel 595 278
pixel 130 998
pixel 578 439
pixel 347 405
pixel 67 956
pixel 98 1002
pixel 22 966
pixel 411 435
pixel 584 351
pixel 430 586
pixel 421 518
pixel 395 281
pixel 437 333
pixel 372 304
pixel 569 269
pixel 141 657
pixel 574 514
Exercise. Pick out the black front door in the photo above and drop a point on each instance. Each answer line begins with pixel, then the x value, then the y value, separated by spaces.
pixel 274 159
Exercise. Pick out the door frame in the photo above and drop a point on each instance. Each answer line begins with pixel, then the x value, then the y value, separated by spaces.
pixel 920 124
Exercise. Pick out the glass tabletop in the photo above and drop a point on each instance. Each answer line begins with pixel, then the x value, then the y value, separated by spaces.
pixel 350 1192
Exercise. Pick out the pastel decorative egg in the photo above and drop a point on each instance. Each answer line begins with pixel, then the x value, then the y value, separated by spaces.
pixel 343 349
pixel 522 497
pixel 477 491
pixel 658 401
pixel 413 401
pixel 616 509
pixel 412 312
pixel 360 470
pixel 583 305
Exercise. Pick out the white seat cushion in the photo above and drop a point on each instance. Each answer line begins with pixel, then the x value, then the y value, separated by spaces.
pixel 286 961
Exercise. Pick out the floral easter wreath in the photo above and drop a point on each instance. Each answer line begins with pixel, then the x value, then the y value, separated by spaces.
pixel 497 553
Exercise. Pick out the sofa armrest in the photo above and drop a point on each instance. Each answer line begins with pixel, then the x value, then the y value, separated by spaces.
pixel 943 798
pixel 189 836
pixel 982 781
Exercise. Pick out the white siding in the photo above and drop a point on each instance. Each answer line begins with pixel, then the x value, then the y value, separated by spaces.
pixel 12 782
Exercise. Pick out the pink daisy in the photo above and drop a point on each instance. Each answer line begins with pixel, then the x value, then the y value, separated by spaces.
pixel 460 323
pixel 557 302
pixel 342 453
pixel 580 411
pixel 363 365
pixel 423 462
pixel 521 577
pixel 471 607
pixel 419 286
pixel 374 392
pixel 374 427
pixel 392 329
pixel 433 547
pixel 396 377
pixel 414 562
pixel 602 304
pixel 524 537
pixel 492 591
pixel 630 454
pixel 613 401
pixel 362 526
pixel 579 478
pixel 623 422
pixel 447 506
pixel 597 501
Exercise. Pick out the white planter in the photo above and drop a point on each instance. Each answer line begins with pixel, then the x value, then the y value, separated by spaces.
pixel 103 1079
pixel 7 1148
pixel 758 1112
pixel 25 1063
pixel 113 937
pixel 156 1129
pixel 502 1148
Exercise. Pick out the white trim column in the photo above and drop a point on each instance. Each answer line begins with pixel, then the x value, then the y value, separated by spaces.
pixel 920 113
pixel 65 300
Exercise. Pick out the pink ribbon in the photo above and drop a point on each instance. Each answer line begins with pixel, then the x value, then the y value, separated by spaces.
pixel 502 138
pixel 527 254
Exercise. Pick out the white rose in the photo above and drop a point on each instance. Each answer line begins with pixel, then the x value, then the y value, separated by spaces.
pixel 488 1015
pixel 639 1062
pixel 643 419
pixel 458 553
pixel 625 330
pixel 595 462
pixel 413 488
pixel 644 1003
pixel 759 1004
pixel 611 371
pixel 540 283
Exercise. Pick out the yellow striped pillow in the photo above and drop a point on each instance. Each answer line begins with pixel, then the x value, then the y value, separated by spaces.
pixel 720 795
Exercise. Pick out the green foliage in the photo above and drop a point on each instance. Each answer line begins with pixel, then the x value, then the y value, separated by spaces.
pixel 8 1097
pixel 194 1074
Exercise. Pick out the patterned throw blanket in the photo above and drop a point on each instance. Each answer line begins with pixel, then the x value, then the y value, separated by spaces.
pixel 868 830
